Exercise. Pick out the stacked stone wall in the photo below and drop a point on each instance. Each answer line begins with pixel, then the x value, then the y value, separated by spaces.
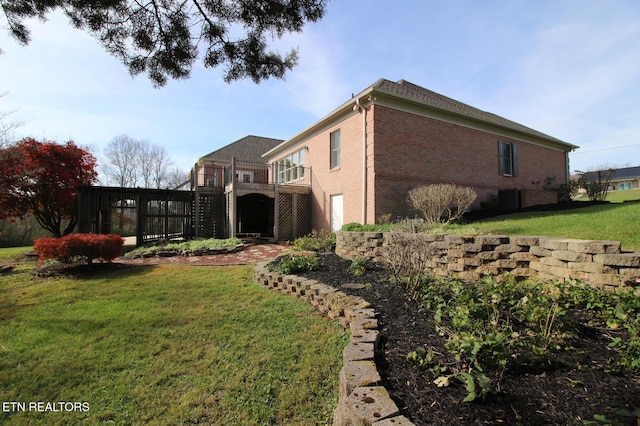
pixel 362 399
pixel 602 264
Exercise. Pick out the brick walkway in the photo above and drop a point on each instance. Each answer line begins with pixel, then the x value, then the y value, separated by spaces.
pixel 249 256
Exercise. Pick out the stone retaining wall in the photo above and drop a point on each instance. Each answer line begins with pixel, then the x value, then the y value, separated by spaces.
pixel 600 263
pixel 362 400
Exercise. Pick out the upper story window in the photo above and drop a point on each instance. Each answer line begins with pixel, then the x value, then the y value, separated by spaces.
pixel 508 158
pixel 335 149
pixel 291 167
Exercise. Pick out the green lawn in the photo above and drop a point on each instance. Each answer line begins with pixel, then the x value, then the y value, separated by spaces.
pixel 10 253
pixel 617 222
pixel 624 195
pixel 619 196
pixel 165 345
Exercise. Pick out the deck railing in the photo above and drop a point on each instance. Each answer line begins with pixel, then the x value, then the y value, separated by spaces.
pixel 216 175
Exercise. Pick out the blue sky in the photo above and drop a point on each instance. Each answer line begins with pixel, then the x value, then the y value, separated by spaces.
pixel 570 69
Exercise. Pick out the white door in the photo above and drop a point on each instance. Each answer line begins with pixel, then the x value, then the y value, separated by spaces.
pixel 336 213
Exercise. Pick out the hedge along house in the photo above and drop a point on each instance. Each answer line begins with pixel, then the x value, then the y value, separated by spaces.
pixel 391 137
pixel 237 194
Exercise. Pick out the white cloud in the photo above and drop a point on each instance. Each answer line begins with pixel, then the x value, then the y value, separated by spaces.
pixel 317 85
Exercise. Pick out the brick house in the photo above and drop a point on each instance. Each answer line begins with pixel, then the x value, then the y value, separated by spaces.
pixel 355 164
pixel 393 136
pixel 235 194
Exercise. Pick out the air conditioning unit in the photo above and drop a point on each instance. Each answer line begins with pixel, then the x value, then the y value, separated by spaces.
pixel 509 199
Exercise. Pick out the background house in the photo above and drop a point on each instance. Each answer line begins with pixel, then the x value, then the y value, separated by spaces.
pixel 393 136
pixel 623 178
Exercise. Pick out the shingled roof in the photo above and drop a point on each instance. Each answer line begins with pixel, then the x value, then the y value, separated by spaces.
pixel 426 100
pixel 427 97
pixel 619 174
pixel 250 148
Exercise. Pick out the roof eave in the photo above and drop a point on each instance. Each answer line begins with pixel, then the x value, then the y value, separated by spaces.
pixel 345 108
pixel 372 91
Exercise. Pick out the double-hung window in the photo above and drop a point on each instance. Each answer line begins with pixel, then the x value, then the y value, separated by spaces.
pixel 335 149
pixel 508 158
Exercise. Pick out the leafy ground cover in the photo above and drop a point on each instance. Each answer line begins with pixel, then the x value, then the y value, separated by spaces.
pixel 557 375
pixel 167 344
pixel 203 244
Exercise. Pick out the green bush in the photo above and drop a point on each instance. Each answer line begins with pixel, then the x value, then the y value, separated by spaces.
pixel 358 227
pixel 358 266
pixel 317 241
pixel 292 263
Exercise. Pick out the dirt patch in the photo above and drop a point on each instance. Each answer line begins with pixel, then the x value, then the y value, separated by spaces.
pixel 571 390
pixel 78 270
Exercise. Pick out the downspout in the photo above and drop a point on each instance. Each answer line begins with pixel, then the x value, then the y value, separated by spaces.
pixel 568 177
pixel 359 107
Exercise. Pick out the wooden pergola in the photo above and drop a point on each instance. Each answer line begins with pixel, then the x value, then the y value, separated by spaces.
pixel 154 213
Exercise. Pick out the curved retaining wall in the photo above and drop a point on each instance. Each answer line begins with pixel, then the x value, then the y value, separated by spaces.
pixel 362 400
pixel 600 263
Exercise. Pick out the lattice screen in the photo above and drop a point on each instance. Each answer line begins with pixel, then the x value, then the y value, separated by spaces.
pixel 213 222
pixel 303 208
pixel 285 217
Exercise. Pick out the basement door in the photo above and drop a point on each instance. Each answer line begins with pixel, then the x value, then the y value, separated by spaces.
pixel 336 213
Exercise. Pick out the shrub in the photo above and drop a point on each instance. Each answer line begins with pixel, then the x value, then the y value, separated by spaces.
pixel 596 184
pixel 318 241
pixel 407 257
pixel 441 203
pixel 413 226
pixel 292 263
pixel 358 266
pixel 75 247
pixel 358 227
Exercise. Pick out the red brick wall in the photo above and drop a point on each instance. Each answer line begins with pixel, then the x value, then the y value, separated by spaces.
pixel 412 150
pixel 345 180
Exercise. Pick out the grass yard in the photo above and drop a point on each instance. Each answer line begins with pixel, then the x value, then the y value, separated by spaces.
pixel 623 195
pixel 9 253
pixel 619 196
pixel 617 222
pixel 164 345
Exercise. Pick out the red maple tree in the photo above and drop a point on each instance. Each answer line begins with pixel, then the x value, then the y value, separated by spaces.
pixel 41 178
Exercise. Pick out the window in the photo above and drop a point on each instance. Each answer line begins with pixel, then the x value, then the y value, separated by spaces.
pixel 624 185
pixel 291 167
pixel 335 149
pixel 508 158
pixel 244 176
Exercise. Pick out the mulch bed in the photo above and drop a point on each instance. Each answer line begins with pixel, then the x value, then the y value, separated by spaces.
pixel 558 394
